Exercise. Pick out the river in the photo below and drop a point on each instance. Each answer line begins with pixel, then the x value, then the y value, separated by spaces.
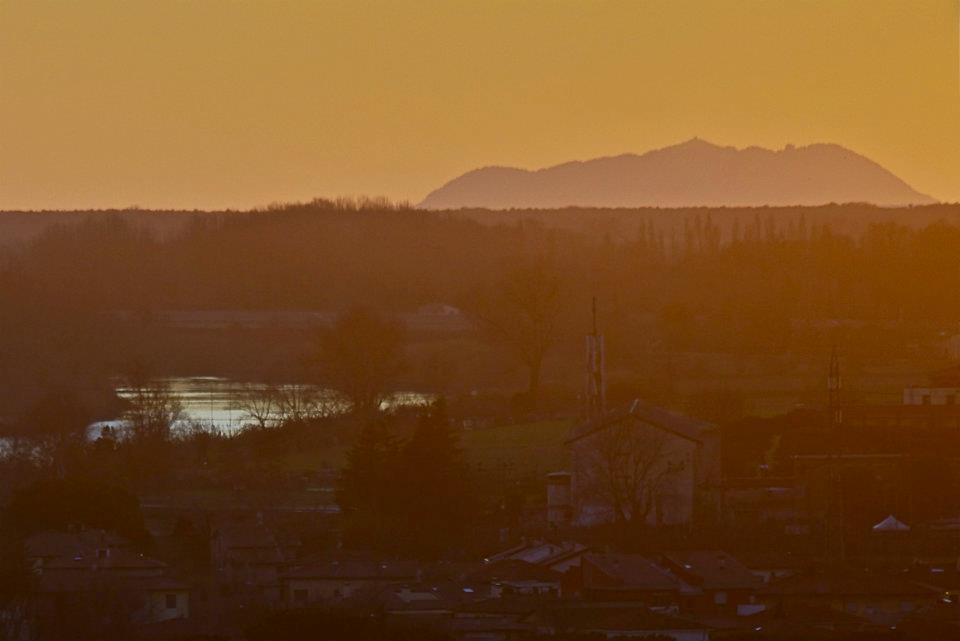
pixel 213 402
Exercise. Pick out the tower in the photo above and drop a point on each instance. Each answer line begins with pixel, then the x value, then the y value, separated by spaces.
pixel 835 509
pixel 596 385
pixel 834 385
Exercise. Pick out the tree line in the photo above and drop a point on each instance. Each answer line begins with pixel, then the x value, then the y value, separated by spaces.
pixel 709 283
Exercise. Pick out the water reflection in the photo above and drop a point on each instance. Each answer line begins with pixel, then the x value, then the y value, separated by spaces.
pixel 219 403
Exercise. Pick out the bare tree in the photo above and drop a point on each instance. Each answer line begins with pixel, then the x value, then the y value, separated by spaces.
pixel 260 405
pixel 628 467
pixel 297 402
pixel 153 411
pixel 522 313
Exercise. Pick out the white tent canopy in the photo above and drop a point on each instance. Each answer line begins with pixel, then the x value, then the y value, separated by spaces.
pixel 891 524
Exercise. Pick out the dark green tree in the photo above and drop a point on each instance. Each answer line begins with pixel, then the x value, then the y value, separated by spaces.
pixel 60 503
pixel 57 422
pixel 412 497
pixel 360 356
pixel 367 492
pixel 433 481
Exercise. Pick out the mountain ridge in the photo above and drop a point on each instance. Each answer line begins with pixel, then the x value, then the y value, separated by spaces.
pixel 692 173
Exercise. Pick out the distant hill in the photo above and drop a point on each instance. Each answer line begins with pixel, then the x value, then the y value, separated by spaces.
pixel 692 173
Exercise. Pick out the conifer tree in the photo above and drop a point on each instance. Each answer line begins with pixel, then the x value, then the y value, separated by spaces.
pixel 435 490
pixel 367 490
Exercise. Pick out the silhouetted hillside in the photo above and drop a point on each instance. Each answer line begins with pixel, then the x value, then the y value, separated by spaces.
pixel 689 174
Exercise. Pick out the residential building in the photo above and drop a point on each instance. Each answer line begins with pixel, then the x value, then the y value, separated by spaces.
pixel 662 464
pixel 337 579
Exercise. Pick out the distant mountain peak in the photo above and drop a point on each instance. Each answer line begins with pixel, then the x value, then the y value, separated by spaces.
pixel 695 142
pixel 692 173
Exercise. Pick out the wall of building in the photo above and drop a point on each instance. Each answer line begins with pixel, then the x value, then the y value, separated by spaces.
pixel 319 589
pixel 676 498
pixel 931 396
pixel 157 609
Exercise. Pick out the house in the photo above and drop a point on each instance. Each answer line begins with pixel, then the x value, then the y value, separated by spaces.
pixel 496 619
pixel 644 462
pixel 898 425
pixel 47 545
pixel 88 602
pixel 799 622
pixel 616 621
pixel 250 556
pixel 514 576
pixel 489 628
pixel 768 504
pixel 556 556
pixel 518 607
pixel 113 562
pixel 337 579
pixel 879 597
pixel 626 577
pixel 164 598
pixel 943 388
pixel 419 602
pixel 772 565
pixel 98 577
pixel 723 584
pixel 565 559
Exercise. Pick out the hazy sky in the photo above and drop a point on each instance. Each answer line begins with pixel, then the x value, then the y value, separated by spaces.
pixel 213 104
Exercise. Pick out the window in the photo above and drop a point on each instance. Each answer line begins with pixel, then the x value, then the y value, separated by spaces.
pixel 300 596
pixel 171 601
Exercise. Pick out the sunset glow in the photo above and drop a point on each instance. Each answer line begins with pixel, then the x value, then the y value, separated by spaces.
pixel 236 104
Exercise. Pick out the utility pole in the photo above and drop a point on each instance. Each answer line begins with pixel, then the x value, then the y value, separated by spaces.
pixel 835 516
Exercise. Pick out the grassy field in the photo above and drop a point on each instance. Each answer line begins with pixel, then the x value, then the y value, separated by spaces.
pixel 523 450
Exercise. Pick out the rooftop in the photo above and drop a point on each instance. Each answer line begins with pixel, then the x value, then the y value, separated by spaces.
pixel 54 543
pixel 678 424
pixel 515 570
pixel 711 570
pixel 848 582
pixel 355 569
pixel 627 572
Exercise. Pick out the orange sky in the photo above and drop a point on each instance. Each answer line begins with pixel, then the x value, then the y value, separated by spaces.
pixel 214 104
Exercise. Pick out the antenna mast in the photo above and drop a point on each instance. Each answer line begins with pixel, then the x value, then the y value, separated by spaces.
pixel 596 356
pixel 835 520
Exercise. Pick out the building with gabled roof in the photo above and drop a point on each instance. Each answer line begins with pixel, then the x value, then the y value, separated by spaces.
pixel 665 468
pixel 724 584
pixel 250 557
pixel 47 545
pixel 514 576
pixel 82 579
pixel 616 621
pixel 627 578
pixel 881 597
pixel 335 579
pixel 556 556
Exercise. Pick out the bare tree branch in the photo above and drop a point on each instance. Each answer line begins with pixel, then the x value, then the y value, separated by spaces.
pixel 628 467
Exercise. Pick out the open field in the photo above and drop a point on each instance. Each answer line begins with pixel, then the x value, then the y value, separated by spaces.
pixel 524 449
pixel 534 448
